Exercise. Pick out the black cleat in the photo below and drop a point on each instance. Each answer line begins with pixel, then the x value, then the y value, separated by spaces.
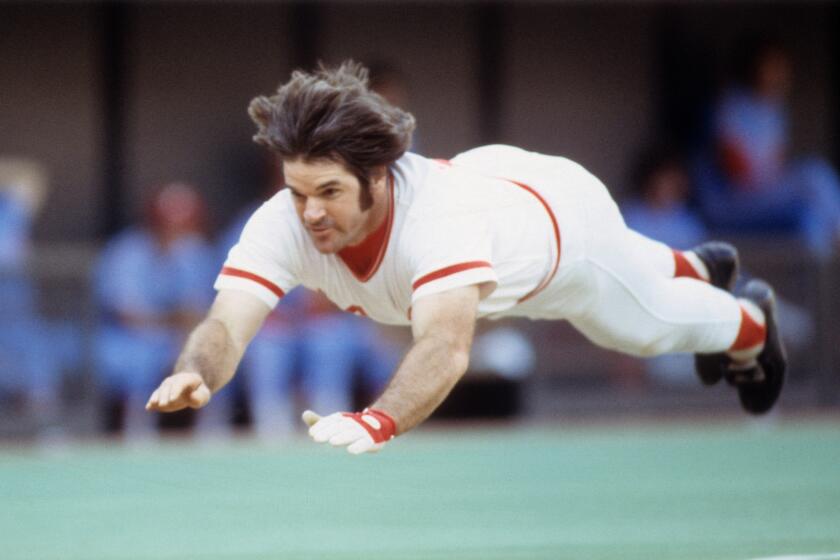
pixel 759 386
pixel 721 260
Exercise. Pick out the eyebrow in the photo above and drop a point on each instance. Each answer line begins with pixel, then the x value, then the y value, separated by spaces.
pixel 321 187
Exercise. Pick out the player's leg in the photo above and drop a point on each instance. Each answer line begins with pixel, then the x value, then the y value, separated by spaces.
pixel 636 309
pixel 715 262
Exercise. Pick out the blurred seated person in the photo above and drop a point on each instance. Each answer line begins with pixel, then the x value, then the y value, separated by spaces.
pixel 33 351
pixel 749 182
pixel 307 344
pixel 659 207
pixel 153 283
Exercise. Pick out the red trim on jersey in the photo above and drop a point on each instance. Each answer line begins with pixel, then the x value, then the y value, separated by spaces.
pixel 683 267
pixel 275 289
pixel 545 281
pixel 448 271
pixel 750 334
pixel 364 259
pixel 357 310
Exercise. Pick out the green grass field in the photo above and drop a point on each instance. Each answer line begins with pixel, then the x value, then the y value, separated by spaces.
pixel 670 491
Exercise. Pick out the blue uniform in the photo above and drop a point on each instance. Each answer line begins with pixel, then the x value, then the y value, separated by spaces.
pixel 32 350
pixel 769 193
pixel 136 277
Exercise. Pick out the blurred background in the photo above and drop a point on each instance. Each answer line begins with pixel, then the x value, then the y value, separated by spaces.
pixel 127 170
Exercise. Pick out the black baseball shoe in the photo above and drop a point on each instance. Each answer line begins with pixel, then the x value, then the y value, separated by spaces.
pixel 721 260
pixel 760 385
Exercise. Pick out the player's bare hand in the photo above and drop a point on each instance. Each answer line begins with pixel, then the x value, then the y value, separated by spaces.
pixel 179 390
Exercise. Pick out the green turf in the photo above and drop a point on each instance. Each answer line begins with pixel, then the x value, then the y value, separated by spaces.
pixel 679 492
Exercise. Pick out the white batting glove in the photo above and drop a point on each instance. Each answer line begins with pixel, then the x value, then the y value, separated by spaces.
pixel 362 432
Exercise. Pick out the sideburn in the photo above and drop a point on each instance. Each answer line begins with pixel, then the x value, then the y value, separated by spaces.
pixel 365 198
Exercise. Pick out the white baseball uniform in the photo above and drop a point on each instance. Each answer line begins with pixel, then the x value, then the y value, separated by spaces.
pixel 539 234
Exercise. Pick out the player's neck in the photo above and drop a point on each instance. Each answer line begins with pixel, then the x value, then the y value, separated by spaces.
pixel 363 258
pixel 378 212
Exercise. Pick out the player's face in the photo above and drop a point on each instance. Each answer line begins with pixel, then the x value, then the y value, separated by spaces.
pixel 326 198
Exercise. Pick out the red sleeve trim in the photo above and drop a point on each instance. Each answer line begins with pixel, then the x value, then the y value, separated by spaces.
pixel 274 288
pixel 449 270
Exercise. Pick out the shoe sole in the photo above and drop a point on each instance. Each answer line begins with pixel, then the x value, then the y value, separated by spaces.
pixel 758 397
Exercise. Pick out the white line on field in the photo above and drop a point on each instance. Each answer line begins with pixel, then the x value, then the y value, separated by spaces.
pixel 829 556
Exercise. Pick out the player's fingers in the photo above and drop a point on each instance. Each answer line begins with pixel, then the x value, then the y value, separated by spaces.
pixel 363 445
pixel 310 418
pixel 152 403
pixel 323 431
pixel 178 390
pixel 325 428
pixel 173 390
pixel 163 394
pixel 348 433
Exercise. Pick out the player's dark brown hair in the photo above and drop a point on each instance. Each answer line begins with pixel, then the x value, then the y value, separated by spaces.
pixel 332 114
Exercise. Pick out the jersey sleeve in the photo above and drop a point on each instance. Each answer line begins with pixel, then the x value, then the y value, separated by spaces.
pixel 266 260
pixel 450 251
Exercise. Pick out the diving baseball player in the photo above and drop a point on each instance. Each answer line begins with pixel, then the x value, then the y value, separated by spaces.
pixel 495 232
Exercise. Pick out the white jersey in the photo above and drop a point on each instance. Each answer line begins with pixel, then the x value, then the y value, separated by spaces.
pixel 493 216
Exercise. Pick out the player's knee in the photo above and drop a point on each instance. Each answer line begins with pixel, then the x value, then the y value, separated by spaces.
pixel 636 342
pixel 644 346
pixel 657 346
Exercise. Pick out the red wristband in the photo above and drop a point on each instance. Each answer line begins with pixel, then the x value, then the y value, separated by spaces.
pixel 377 423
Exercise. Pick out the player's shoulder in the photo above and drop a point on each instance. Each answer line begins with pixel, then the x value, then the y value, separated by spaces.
pixel 513 163
pixel 491 158
pixel 490 152
pixel 425 185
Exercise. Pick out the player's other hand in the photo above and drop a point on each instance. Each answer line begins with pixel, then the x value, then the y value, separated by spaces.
pixel 362 432
pixel 179 390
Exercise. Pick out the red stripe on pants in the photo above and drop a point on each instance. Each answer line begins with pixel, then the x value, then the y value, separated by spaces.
pixel 750 334
pixel 683 268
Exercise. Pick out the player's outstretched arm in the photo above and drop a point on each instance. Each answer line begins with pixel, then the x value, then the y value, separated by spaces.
pixel 212 352
pixel 443 326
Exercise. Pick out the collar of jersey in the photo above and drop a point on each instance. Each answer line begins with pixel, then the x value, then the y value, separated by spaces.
pixel 364 259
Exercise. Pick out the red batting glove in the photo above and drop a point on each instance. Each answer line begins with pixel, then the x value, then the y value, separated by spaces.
pixel 362 432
